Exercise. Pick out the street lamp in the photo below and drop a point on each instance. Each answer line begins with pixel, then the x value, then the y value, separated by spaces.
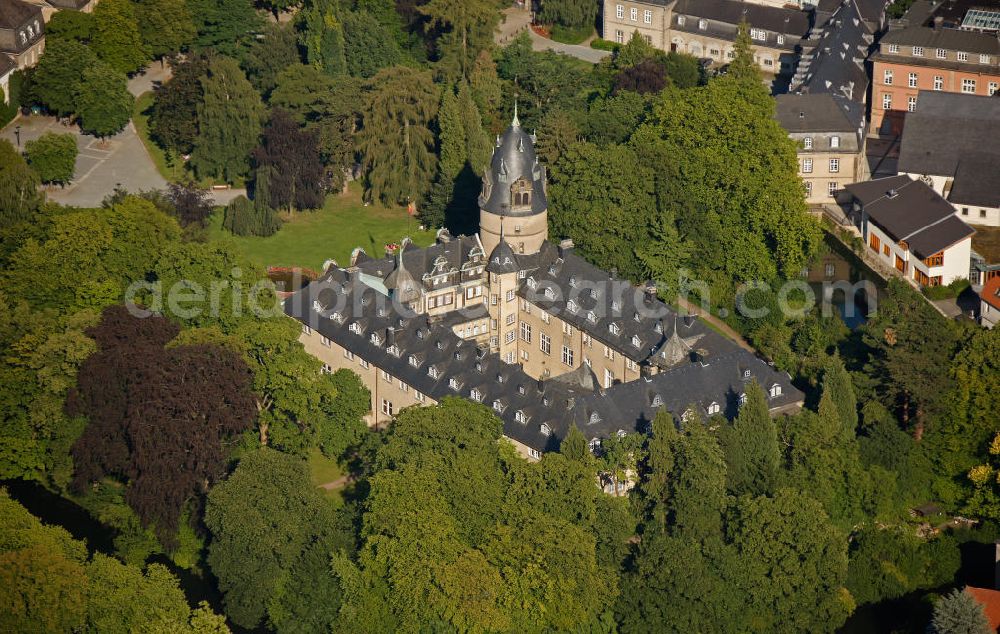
pixel 17 135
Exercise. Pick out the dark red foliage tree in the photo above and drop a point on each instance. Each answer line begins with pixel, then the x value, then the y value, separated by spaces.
pixel 293 153
pixel 645 77
pixel 192 205
pixel 159 418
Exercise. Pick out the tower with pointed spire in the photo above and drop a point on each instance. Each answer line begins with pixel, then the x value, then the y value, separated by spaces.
pixel 513 202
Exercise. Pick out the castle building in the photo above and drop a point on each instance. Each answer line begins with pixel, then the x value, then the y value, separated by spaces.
pixel 523 325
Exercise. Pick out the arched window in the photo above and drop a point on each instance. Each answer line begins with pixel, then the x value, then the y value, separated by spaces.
pixel 520 193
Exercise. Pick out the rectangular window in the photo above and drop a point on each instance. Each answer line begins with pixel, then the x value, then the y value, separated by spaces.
pixel 894 48
pixel 567 329
pixel 918 51
pixel 807 143
pixel 832 189
pixel 473 292
pixel 546 318
pixel 647 16
pixel 940 53
pixel 809 188
pixel 567 355
pixel 544 343
pixel 938 82
pixel 991 88
pixel 509 357
pixel 510 295
pixel 887 101
pixel 620 37
pixel 835 142
pixel 681 20
pixel 306 330
pixel 780 39
pixel 404 387
pixel 524 355
pixel 963 56
pixel 509 337
pixel 588 340
pixel 834 166
pixel 759 35
pixel 984 58
pixel 912 80
pixel 885 250
pixel 633 14
pixel 703 25
pixel 969 86
pixel 364 364
pixel 511 318
pixel 419 396
pixel 620 11
pixel 911 103
pixel 874 242
pixel 386 377
pixel 609 378
pixel 526 332
pixel 387 407
pixel 609 353
pixel 887 77
pixel 807 166
pixel 348 355
pixel 325 341
pixel 326 369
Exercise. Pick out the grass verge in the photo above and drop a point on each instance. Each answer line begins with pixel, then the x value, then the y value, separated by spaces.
pixel 571 35
pixel 171 171
pixel 323 470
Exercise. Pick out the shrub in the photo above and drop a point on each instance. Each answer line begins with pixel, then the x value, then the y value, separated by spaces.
pixel 244 218
pixel 604 45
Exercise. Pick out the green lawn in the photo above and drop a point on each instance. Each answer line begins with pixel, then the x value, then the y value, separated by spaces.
pixel 309 238
pixel 323 470
pixel 571 35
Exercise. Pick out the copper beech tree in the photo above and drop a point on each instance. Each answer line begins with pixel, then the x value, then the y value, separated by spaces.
pixel 160 417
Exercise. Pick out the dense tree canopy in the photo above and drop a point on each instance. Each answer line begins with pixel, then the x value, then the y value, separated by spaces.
pixel 103 102
pixel 53 157
pixel 146 425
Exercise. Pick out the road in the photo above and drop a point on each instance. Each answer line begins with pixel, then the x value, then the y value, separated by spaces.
pixel 121 160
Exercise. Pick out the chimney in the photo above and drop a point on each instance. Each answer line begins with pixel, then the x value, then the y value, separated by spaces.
pixel 646 372
pixel 650 290
pixel 700 356
pixel 938 22
pixel 565 246
pixel 892 193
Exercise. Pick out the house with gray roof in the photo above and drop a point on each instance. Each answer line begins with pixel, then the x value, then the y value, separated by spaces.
pixel 912 229
pixel 526 327
pixel 952 142
pixel 22 32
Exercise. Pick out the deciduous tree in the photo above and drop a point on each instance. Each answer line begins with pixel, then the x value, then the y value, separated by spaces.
pixel 53 157
pixel 166 26
pixel 103 102
pixel 19 196
pixel 116 38
pixel 292 154
pixel 174 121
pixel 462 29
pixel 56 80
pixel 147 422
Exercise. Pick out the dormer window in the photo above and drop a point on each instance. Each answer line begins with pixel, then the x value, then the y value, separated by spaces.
pixel 657 401
pixel 743 398
pixel 746 374
pixel 498 406
pixel 453 384
pixel 636 341
pixel 337 317
pixel 775 391
pixel 571 306
pixel 594 444
pixel 635 317
pixel 476 395
pixel 375 339
pixel 549 293
pixel 595 418
pixel 592 317
pixel 658 328
pixel 520 390
pixel 500 378
pixel 572 281
pixel 714 408
pixel 520 193
pixel 433 372
pixel 531 282
pixel 414 361
pixel 355 328
pixel 393 350
pixel 616 306
pixel 520 417
pixel 545 429
pixel 613 329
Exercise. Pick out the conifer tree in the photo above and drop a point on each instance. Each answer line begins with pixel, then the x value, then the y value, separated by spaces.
pixel 753 455
pixel 698 486
pixel 229 119
pixel 451 133
pixel 478 147
pixel 463 28
pixel 838 383
pixel 660 459
pixel 323 39
pixel 574 445
pixel 486 90
pixel 396 140
pixel 743 67
pixel 959 613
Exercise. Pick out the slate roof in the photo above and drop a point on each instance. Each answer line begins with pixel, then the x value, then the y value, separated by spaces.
pixel 779 20
pixel 950 39
pixel 449 261
pixel 819 112
pixel 977 180
pixel 957 136
pixel 513 158
pixel 427 355
pixel 7 65
pixel 836 62
pixel 14 13
pixel 908 210
pixel 871 11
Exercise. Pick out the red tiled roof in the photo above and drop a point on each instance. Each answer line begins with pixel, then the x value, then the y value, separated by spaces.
pixel 991 292
pixel 990 600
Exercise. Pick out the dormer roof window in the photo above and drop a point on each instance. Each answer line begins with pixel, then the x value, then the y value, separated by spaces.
pixel 520 416
pixel 476 395
pixel 498 405
pixel 636 341
pixel 433 372
pixel 545 429
pixel 613 328
pixel 454 384
pixel 355 328
pixel 594 418
pixel 414 361
pixel 714 408
pixel 775 391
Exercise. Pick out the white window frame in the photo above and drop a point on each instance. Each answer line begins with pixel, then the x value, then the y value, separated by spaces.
pixel 887 76
pixel 918 51
pixel 387 407
pixel 620 11
pixel 567 356
pixel 938 82
pixel 633 14
pixel 969 86
pixel 912 80
pixel 807 143
pixel 647 16
pixel 807 166
pixel 940 53
pixel 835 166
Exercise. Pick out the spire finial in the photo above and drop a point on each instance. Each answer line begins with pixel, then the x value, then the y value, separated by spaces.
pixel 516 123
